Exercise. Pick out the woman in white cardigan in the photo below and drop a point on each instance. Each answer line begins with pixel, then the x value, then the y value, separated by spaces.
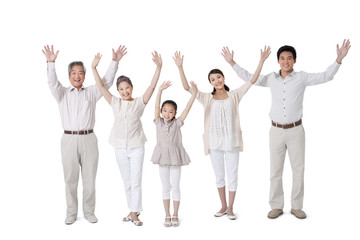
pixel 222 132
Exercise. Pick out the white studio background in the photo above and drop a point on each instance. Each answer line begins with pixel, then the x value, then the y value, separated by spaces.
pixel 32 198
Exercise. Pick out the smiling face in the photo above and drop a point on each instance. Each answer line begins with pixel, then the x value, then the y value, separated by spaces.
pixel 125 91
pixel 168 112
pixel 286 61
pixel 77 76
pixel 217 81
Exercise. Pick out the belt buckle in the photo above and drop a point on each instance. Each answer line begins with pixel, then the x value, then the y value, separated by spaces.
pixel 86 132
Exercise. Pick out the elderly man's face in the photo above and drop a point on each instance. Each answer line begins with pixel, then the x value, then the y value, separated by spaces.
pixel 77 76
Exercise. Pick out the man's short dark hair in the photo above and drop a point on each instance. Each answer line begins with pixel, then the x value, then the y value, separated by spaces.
pixel 286 48
pixel 76 63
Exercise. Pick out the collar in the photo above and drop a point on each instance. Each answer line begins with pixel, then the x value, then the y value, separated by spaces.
pixel 72 88
pixel 292 74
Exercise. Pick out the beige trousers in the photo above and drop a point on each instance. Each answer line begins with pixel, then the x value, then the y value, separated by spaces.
pixel 79 152
pixel 292 140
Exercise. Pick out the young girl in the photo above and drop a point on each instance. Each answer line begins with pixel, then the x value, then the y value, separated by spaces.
pixel 127 135
pixel 222 133
pixel 169 152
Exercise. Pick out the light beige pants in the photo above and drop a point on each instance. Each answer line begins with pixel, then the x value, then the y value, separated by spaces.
pixel 292 140
pixel 79 152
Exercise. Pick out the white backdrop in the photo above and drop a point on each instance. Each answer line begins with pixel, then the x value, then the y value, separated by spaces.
pixel 32 198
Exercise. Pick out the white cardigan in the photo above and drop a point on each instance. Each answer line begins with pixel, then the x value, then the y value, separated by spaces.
pixel 235 96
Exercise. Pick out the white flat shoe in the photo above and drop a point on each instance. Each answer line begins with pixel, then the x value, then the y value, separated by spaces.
pixel 232 217
pixel 167 223
pixel 175 221
pixel 220 214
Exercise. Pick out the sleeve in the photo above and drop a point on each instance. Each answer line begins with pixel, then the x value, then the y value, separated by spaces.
pixel 114 103
pixel 200 96
pixel 179 122
pixel 108 79
pixel 241 91
pixel 55 86
pixel 323 77
pixel 141 102
pixel 246 76
pixel 157 121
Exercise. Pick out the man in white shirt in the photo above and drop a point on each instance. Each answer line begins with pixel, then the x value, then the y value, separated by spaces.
pixel 79 150
pixel 287 133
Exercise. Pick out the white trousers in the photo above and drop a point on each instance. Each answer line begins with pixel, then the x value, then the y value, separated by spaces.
pixel 293 140
pixel 170 179
pixel 130 163
pixel 79 152
pixel 228 160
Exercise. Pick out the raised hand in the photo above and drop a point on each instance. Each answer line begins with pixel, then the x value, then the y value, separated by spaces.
pixel 178 59
pixel 156 57
pixel 96 60
pixel 265 54
pixel 190 102
pixel 165 85
pixel 120 52
pixel 228 56
pixel 343 50
pixel 49 53
pixel 194 87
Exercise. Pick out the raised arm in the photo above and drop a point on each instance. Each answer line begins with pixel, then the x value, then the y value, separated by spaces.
pixel 150 90
pixel 49 53
pixel 241 72
pixel 109 76
pixel 179 63
pixel 328 75
pixel 55 86
pixel 190 102
pixel 263 56
pixel 228 56
pixel 103 90
pixel 162 87
pixel 342 52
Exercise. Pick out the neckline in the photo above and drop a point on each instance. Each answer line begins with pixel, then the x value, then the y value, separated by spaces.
pixel 221 99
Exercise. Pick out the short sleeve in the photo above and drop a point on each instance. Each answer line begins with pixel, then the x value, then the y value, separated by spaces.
pixel 115 104
pixel 157 121
pixel 178 122
pixel 113 101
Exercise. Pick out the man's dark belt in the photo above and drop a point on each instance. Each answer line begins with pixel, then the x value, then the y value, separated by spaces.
pixel 286 126
pixel 83 132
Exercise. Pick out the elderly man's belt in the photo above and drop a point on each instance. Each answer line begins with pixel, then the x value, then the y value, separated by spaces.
pixel 286 126
pixel 83 132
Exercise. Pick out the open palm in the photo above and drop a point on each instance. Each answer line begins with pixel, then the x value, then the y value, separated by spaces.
pixel 344 49
pixel 49 53
pixel 120 52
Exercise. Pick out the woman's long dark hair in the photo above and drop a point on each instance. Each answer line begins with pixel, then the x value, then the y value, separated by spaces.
pixel 215 71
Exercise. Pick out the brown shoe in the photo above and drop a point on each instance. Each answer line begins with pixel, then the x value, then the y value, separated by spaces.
pixel 298 213
pixel 275 213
